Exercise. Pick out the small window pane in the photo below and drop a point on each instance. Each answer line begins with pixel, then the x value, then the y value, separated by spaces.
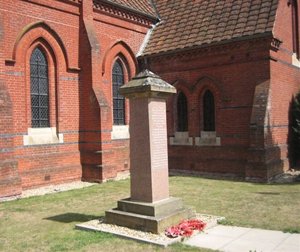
pixel 44 101
pixel 43 114
pixel 35 113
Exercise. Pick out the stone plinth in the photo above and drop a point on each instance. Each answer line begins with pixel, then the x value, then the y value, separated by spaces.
pixel 148 217
pixel 149 208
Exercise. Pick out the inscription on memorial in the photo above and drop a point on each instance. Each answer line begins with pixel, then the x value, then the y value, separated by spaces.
pixel 159 155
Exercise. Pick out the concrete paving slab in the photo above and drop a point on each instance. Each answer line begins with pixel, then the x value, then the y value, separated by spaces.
pixel 256 240
pixel 228 231
pixel 241 245
pixel 238 239
pixel 204 240
pixel 259 235
pixel 292 243
pixel 293 239
pixel 287 248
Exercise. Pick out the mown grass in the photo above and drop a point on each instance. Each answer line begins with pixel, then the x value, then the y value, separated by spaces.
pixel 46 223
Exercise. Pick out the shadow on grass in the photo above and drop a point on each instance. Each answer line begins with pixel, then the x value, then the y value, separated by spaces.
pixel 72 217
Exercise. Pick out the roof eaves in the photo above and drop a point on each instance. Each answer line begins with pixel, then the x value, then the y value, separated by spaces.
pixel 126 8
pixel 223 42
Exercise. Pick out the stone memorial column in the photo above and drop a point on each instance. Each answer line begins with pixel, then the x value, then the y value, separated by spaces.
pixel 149 208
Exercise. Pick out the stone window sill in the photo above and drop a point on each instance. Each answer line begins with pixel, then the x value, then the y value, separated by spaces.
pixel 37 136
pixel 181 138
pixel 120 132
pixel 208 138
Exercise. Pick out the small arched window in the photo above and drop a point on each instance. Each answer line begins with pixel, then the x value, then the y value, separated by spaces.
pixel 118 100
pixel 182 113
pixel 39 89
pixel 209 111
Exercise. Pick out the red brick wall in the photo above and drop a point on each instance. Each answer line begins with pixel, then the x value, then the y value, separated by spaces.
pixel 80 43
pixel 10 182
pixel 285 83
pixel 102 157
pixel 232 73
pixel 27 25
pixel 252 95
pixel 253 83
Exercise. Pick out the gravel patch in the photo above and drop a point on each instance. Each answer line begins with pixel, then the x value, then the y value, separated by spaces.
pixel 156 239
pixel 55 188
pixel 50 189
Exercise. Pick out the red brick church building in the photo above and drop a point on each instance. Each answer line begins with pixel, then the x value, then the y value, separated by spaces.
pixel 235 65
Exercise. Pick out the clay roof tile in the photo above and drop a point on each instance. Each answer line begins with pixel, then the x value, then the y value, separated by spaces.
pixel 188 23
pixel 143 6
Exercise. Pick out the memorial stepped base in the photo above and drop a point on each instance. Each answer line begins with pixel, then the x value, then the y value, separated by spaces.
pixel 149 217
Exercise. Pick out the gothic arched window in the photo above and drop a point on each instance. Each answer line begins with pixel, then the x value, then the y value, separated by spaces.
pixel 39 89
pixel 118 100
pixel 209 111
pixel 182 113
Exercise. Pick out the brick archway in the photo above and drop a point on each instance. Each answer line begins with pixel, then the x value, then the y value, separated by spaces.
pixel 119 48
pixel 39 32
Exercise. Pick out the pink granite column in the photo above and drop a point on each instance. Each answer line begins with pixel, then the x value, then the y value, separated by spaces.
pixel 148 150
pixel 148 137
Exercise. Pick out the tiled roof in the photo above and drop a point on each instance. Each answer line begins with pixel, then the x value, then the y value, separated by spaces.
pixel 143 6
pixel 189 23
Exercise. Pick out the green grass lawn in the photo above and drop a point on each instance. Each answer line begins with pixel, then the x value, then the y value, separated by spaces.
pixel 47 223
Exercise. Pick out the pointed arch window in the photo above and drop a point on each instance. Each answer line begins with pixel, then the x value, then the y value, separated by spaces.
pixel 39 89
pixel 182 113
pixel 209 111
pixel 118 100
